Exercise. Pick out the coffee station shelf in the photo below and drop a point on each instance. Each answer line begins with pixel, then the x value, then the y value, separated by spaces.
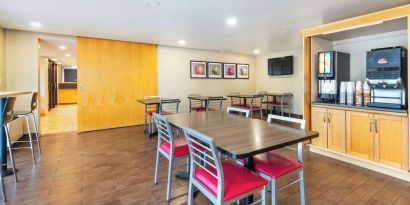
pixel 397 112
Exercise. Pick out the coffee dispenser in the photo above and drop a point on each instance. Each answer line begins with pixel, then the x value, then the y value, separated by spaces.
pixel 333 67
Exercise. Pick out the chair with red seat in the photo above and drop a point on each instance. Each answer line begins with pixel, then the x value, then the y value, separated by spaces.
pixel 214 103
pixel 255 105
pixel 149 109
pixel 235 101
pixel 283 105
pixel 196 105
pixel 222 182
pixel 272 166
pixel 169 106
pixel 170 147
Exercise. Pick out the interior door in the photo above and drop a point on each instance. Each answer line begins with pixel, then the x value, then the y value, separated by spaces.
pixel 112 76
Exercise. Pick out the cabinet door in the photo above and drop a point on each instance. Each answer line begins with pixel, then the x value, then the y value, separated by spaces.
pixel 359 134
pixel 336 130
pixel 391 141
pixel 319 124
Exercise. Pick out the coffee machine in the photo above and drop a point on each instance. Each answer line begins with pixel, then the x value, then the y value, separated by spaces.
pixel 386 73
pixel 333 67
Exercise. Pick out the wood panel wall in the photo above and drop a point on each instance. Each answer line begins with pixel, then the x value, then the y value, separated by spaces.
pixel 112 75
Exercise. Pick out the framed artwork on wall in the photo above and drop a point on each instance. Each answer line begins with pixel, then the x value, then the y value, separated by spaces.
pixel 242 71
pixel 229 70
pixel 214 70
pixel 198 69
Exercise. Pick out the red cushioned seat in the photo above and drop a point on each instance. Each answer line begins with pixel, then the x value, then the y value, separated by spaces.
pixel 237 180
pixel 275 165
pixel 251 107
pixel 198 109
pixel 268 102
pixel 150 112
pixel 180 147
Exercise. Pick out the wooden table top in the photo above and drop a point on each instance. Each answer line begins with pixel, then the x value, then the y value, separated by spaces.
pixel 240 137
pixel 278 94
pixel 241 96
pixel 4 94
pixel 153 101
pixel 203 98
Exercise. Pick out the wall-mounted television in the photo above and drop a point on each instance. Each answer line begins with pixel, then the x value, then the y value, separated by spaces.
pixel 69 74
pixel 280 66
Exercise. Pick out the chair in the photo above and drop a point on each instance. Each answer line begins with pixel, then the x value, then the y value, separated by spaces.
pixel 284 104
pixel 196 105
pixel 149 109
pixel 255 105
pixel 239 110
pixel 8 117
pixel 272 166
pixel 264 92
pixel 235 101
pixel 214 103
pixel 26 115
pixel 222 182
pixel 169 106
pixel 168 146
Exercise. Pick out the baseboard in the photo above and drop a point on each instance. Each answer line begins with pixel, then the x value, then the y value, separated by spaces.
pixel 391 171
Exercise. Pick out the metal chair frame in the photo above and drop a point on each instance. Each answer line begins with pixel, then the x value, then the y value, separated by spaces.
pixel 165 135
pixel 170 106
pixel 235 100
pixel 285 101
pixel 203 152
pixel 146 108
pixel 272 181
pixel 256 100
pixel 240 110
pixel 195 103
pixel 214 103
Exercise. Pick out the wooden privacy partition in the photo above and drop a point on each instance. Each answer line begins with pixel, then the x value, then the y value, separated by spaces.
pixel 112 75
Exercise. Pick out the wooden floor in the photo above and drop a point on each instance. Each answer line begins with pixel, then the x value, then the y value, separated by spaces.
pixel 116 167
pixel 62 118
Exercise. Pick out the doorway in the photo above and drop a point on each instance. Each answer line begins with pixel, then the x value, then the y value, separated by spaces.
pixel 57 85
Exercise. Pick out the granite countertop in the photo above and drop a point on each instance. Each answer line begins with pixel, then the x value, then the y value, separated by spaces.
pixel 360 107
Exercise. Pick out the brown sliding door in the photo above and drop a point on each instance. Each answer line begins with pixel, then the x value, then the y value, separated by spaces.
pixel 112 76
pixel 52 84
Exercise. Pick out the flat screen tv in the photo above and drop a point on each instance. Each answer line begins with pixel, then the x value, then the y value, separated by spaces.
pixel 280 66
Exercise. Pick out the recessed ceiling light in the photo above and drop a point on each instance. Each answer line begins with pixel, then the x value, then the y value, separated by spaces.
pixel 54 59
pixel 256 51
pixel 46 59
pixel 74 66
pixel 59 63
pixel 62 47
pixel 36 24
pixel 151 3
pixel 67 55
pixel 181 42
pixel 231 21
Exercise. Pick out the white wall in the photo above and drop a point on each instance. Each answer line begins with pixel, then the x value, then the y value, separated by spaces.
pixel 287 83
pixel 357 48
pixel 174 74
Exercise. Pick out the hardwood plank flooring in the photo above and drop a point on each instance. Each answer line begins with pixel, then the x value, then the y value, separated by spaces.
pixel 117 166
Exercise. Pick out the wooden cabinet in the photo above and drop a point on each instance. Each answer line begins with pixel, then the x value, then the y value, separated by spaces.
pixel 359 134
pixel 331 125
pixel 319 124
pixel 336 130
pixel 391 141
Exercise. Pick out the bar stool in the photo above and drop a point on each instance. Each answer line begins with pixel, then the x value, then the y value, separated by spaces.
pixel 26 115
pixel 221 181
pixel 8 117
pixel 168 146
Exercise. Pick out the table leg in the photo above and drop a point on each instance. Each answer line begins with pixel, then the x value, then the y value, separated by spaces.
pixel 153 133
pixel 249 164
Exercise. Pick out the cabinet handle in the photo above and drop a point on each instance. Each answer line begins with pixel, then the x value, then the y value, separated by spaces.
pixel 324 118
pixel 370 124
pixel 375 125
pixel 328 118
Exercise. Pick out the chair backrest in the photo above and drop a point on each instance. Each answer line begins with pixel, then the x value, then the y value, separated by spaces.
pixel 164 131
pixel 235 100
pixel 245 112
pixel 34 101
pixel 214 103
pixel 171 106
pixel 8 112
pixel 204 156
pixel 257 100
pixel 301 122
pixel 264 92
pixel 286 98
pixel 153 106
pixel 195 103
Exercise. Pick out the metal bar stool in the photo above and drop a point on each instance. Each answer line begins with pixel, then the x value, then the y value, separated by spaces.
pixel 26 115
pixel 8 117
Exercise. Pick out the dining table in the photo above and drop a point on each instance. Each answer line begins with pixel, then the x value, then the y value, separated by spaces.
pixel 242 138
pixel 3 141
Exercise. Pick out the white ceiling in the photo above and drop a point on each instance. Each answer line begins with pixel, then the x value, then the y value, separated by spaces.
pixel 269 25
pixel 49 47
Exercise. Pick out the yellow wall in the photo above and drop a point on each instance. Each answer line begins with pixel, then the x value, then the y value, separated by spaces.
pixel 2 59
pixel 112 76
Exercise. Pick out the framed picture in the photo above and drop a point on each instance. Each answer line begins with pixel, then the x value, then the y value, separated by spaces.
pixel 230 70
pixel 214 70
pixel 198 69
pixel 242 71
